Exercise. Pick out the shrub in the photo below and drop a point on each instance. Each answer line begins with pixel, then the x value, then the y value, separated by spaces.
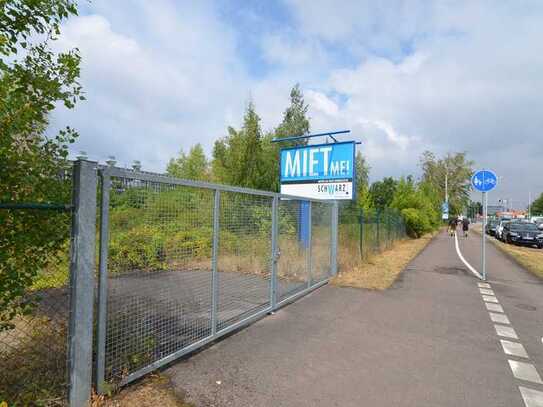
pixel 139 248
pixel 416 222
pixel 187 244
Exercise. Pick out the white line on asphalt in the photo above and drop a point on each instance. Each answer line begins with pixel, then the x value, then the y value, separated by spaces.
pixel 532 398
pixel 499 318
pixel 483 285
pixel 495 308
pixel 490 298
pixel 486 291
pixel 524 371
pixel 513 349
pixel 505 331
pixel 464 260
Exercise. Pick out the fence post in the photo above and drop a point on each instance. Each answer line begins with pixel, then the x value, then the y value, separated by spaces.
pixel 274 252
pixel 102 283
pixel 334 238
pixel 215 254
pixel 82 264
pixel 361 242
pixel 377 224
pixel 309 239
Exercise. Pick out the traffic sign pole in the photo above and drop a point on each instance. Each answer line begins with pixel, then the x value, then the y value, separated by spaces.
pixel 483 253
pixel 484 181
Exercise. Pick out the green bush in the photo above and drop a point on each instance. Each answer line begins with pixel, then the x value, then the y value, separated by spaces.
pixel 416 222
pixel 194 243
pixel 139 248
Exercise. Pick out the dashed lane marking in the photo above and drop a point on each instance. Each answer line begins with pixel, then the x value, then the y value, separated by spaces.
pixel 494 307
pixel 486 291
pixel 525 371
pixel 513 349
pixel 532 398
pixel 499 318
pixel 505 331
pixel 490 298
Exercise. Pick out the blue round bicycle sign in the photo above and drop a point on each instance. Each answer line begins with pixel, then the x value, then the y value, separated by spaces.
pixel 484 180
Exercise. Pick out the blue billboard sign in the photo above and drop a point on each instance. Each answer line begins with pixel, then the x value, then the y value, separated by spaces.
pixel 323 171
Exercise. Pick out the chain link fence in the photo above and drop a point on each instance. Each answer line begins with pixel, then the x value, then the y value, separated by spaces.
pixel 363 233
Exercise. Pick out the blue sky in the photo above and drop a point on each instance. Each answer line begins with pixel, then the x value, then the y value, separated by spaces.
pixel 404 76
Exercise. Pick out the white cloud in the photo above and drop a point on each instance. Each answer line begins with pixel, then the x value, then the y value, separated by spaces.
pixel 404 76
pixel 150 96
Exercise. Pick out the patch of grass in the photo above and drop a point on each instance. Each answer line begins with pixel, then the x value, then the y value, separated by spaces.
pixel 381 270
pixel 530 258
pixel 154 390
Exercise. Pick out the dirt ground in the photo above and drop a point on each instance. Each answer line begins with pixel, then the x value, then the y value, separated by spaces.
pixel 381 270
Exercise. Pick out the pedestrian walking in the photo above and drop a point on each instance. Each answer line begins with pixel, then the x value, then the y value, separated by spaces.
pixel 452 226
pixel 465 226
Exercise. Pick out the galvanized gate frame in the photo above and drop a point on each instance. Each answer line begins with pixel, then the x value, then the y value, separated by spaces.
pixel 82 266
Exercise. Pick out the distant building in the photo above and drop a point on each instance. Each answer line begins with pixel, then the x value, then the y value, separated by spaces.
pixel 494 209
pixel 512 214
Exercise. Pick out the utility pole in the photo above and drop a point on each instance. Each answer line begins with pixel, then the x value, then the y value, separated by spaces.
pixel 447 186
pixel 529 204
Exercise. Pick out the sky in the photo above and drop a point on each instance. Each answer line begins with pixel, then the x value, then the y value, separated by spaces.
pixel 403 76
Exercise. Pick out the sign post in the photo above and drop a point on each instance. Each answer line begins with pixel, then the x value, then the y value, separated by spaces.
pixel 484 181
pixel 445 210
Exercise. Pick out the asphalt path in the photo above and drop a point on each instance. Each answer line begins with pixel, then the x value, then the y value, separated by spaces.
pixel 427 341
pixel 519 292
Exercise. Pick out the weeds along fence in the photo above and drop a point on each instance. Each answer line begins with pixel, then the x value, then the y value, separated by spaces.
pixel 363 233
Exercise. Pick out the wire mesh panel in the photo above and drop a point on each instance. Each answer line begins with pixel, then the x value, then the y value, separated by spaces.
pixel 187 262
pixel 363 233
pixel 35 299
pixel 244 256
pixel 321 215
pixel 159 272
pixel 293 246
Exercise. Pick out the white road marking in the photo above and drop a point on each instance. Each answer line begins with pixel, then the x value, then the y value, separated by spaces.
pixel 505 331
pixel 475 272
pixel 524 371
pixel 513 349
pixel 499 318
pixel 486 291
pixel 484 285
pixel 532 398
pixel 490 298
pixel 495 308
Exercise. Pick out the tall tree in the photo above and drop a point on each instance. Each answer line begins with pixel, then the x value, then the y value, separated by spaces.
pixel 294 123
pixel 537 206
pixel 363 197
pixel 33 80
pixel 193 166
pixel 237 157
pixel 457 170
pixel 382 192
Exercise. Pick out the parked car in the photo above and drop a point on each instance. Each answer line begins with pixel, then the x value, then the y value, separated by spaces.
pixel 499 229
pixel 491 227
pixel 523 233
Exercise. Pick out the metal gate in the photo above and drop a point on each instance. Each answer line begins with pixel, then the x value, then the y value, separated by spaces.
pixel 182 263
